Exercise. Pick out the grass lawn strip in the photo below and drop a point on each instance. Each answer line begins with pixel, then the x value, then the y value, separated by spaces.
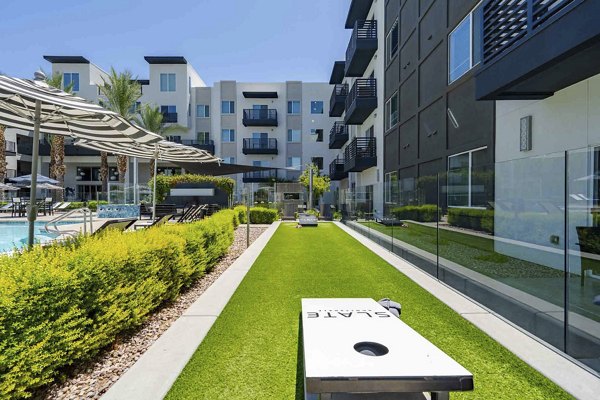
pixel 252 350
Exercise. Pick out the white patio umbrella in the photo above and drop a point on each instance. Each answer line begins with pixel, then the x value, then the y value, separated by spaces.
pixel 33 105
pixel 23 179
pixel 163 150
pixel 48 186
pixel 8 188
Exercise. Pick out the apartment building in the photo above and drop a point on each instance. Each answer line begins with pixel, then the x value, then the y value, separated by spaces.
pixel 278 125
pixel 357 100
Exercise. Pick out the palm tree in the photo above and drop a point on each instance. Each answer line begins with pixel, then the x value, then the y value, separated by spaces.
pixel 151 118
pixel 121 91
pixel 2 154
pixel 57 142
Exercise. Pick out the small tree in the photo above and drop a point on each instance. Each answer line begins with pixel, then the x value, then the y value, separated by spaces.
pixel 321 183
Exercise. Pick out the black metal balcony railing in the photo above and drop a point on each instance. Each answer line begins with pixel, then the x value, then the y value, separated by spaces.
pixel 260 176
pixel 360 154
pixel 361 101
pixel 338 100
pixel 338 135
pixel 336 170
pixel 208 145
pixel 507 21
pixel 169 118
pixel 259 117
pixel 361 48
pixel 260 146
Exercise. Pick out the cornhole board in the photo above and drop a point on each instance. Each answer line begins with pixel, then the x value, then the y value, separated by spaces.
pixel 308 220
pixel 337 332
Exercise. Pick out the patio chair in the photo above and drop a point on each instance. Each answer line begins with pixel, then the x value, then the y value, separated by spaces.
pixel 56 205
pixel 160 221
pixel 188 213
pixel 17 209
pixel 145 210
pixel 115 224
pixel 589 242
pixel 6 208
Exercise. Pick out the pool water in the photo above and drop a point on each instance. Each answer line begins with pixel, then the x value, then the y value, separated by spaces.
pixel 13 235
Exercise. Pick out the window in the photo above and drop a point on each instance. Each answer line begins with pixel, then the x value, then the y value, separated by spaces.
pixel 228 135
pixel 468 179
pixel 294 135
pixel 174 138
pixel 293 107
pixel 167 82
pixel 318 133
pixel 391 111
pixel 136 107
pixel 464 45
pixel 318 161
pixel 391 187
pixel 370 132
pixel 202 111
pixel 168 171
pixel 169 114
pixel 391 42
pixel 294 162
pixel 203 137
pixel 71 78
pixel 228 107
pixel 316 107
pixel 229 160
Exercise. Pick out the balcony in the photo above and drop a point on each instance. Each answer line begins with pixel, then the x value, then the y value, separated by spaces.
pixel 362 47
pixel 337 73
pixel 361 101
pixel 360 154
pixel 260 176
pixel 359 9
pixel 260 117
pixel 337 103
pixel 533 48
pixel 260 146
pixel 338 135
pixel 25 146
pixel 336 170
pixel 207 145
pixel 169 118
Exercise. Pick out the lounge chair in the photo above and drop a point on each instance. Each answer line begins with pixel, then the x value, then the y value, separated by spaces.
pixel 115 224
pixel 7 208
pixel 160 221
pixel 63 206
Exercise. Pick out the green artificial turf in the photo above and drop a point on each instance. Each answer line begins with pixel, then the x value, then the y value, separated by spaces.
pixel 252 350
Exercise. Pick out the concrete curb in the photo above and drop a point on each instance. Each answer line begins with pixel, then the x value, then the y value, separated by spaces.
pixel 154 373
pixel 572 378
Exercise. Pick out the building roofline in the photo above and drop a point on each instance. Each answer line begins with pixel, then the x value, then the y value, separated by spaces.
pixel 165 60
pixel 67 59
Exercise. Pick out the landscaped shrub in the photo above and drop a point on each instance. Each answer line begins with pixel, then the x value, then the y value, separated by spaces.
pixel 424 213
pixel 61 305
pixel 472 218
pixel 164 183
pixel 92 205
pixel 241 213
pixel 260 215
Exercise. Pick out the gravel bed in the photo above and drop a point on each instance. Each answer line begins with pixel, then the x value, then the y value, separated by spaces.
pixel 92 380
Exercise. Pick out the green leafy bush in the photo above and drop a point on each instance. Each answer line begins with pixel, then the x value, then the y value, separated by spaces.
pixel 337 215
pixel 240 211
pixel 164 183
pixel 260 215
pixel 62 304
pixel 472 218
pixel 92 205
pixel 424 213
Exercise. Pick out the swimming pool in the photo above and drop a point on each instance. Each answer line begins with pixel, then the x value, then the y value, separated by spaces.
pixel 14 234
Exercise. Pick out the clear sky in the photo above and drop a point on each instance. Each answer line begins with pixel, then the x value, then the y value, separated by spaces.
pixel 245 40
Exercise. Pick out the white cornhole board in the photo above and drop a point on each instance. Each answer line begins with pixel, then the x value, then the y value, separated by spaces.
pixel 333 369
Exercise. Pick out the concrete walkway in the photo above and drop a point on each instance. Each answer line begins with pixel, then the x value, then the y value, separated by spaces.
pixel 154 373
pixel 572 378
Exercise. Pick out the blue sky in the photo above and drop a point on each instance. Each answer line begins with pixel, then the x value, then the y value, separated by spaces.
pixel 245 40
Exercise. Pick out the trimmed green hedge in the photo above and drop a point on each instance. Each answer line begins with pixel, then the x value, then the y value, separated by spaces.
pixel 472 218
pixel 258 215
pixel 92 205
pixel 241 213
pixel 424 213
pixel 164 183
pixel 61 305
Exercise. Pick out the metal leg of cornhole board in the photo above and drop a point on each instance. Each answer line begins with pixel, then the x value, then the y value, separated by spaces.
pixel 373 396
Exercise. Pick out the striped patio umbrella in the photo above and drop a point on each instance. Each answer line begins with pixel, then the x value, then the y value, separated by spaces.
pixel 33 105
pixel 163 150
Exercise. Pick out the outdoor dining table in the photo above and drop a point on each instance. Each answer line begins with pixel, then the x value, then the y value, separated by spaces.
pixel 43 207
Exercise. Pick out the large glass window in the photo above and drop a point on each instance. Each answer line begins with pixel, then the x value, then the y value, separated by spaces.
pixel 391 187
pixel 464 45
pixel 391 42
pixel 202 111
pixel 294 162
pixel 391 111
pixel 294 135
pixel 318 162
pixel 203 137
pixel 167 82
pixel 229 160
pixel 469 179
pixel 316 107
pixel 228 135
pixel 71 78
pixel 293 107
pixel 227 107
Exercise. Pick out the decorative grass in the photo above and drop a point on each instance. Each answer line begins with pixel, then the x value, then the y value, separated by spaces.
pixel 252 349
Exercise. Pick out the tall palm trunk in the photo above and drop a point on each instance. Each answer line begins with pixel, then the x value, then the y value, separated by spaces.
pixel 58 163
pixel 2 153
pixel 122 162
pixel 152 161
pixel 104 171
